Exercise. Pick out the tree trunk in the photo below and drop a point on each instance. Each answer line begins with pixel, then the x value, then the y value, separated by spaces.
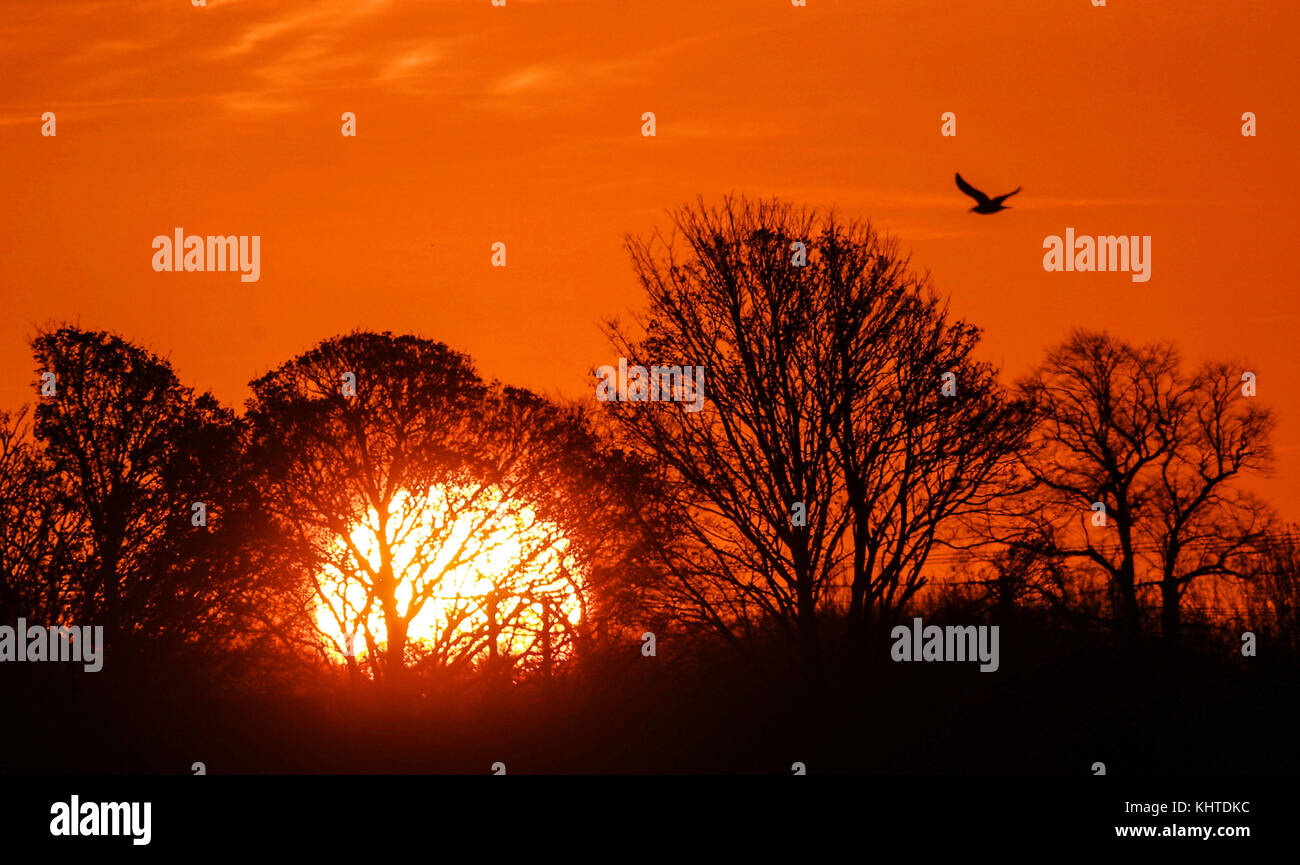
pixel 809 648
pixel 396 649
pixel 1130 620
pixel 1130 615
pixel 1006 592
pixel 110 614
pixel 1171 614
pixel 858 591
pixel 395 626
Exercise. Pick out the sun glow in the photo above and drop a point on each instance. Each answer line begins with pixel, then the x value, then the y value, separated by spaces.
pixel 476 576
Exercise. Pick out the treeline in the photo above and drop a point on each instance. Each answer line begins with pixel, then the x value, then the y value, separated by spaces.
pixel 853 457
pixel 312 529
pixel 855 449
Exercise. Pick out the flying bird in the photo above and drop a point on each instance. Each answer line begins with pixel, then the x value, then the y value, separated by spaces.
pixel 985 204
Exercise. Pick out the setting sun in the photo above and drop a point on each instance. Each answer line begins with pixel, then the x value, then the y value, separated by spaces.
pixel 476 576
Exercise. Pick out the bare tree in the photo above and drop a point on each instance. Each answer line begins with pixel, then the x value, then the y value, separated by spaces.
pixel 846 423
pixel 1124 427
pixel 1273 582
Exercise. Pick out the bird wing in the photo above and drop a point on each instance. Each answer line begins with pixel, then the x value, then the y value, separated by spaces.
pixel 1002 198
pixel 971 191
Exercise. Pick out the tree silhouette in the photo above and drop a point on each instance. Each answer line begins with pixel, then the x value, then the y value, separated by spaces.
pixel 400 495
pixel 1272 575
pixel 129 451
pixel 825 384
pixel 331 459
pixel 1123 425
pixel 35 533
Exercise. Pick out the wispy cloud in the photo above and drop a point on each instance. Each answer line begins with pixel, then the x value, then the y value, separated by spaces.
pixel 529 78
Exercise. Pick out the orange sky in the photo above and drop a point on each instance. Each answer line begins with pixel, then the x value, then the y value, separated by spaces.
pixel 522 124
